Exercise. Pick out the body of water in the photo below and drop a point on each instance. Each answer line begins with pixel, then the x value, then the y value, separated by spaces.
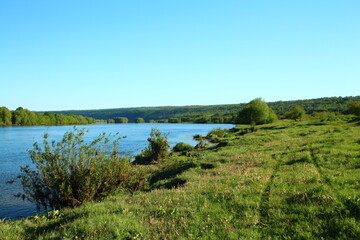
pixel 16 141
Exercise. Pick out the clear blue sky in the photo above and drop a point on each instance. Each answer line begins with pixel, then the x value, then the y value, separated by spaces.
pixel 60 55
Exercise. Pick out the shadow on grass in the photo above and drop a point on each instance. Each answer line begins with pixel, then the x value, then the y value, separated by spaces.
pixel 301 160
pixel 274 128
pixel 207 166
pixel 317 124
pixel 353 207
pixel 355 120
pixel 171 172
pixel 34 232
pixel 170 184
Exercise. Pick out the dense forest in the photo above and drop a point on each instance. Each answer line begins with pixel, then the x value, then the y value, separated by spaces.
pixel 213 113
pixel 25 117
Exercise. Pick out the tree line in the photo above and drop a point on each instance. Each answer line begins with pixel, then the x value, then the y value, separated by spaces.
pixel 295 112
pixel 213 113
pixel 322 107
pixel 25 117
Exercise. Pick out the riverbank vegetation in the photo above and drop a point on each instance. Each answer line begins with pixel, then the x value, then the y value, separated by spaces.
pixel 226 113
pixel 25 117
pixel 118 120
pixel 288 179
pixel 71 172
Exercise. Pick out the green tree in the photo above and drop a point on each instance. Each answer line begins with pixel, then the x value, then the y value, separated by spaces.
pixel 110 120
pixel 60 119
pixel 121 120
pixel 163 121
pixel 48 119
pixel 174 120
pixel 297 113
pixel 203 119
pixel 256 112
pixel 354 108
pixel 139 120
pixel 90 120
pixel 17 116
pixel 24 117
pixel 217 119
pixel 5 116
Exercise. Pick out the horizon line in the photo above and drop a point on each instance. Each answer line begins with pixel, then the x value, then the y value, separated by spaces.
pixel 179 106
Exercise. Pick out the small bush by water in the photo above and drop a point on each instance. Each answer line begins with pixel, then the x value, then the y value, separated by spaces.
pixel 157 150
pixel 182 147
pixel 71 172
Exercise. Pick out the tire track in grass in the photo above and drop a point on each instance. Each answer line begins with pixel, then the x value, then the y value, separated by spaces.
pixel 351 207
pixel 281 160
pixel 346 210
pixel 323 176
pixel 315 162
pixel 265 198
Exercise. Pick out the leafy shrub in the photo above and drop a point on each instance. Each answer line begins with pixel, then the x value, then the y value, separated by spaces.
pixel 202 144
pixel 197 136
pixel 157 150
pixel 297 114
pixel 182 147
pixel 217 132
pixel 325 116
pixel 71 171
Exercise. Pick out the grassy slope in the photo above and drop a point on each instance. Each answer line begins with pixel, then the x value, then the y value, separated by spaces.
pixel 287 180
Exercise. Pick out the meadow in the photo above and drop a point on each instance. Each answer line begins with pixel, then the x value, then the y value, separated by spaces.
pixel 286 180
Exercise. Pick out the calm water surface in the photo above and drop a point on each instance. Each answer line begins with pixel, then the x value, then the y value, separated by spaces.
pixel 16 141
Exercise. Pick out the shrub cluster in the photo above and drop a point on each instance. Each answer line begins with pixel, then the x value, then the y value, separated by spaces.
pixel 182 147
pixel 121 120
pixel 217 132
pixel 297 114
pixel 71 172
pixel 157 150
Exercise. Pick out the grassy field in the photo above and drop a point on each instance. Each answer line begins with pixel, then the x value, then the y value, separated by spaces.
pixel 287 180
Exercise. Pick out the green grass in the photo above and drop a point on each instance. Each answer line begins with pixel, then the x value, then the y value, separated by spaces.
pixel 286 180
